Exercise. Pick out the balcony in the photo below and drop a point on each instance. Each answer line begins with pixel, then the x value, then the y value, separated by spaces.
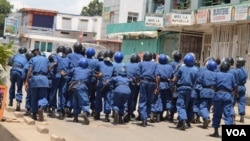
pixel 37 30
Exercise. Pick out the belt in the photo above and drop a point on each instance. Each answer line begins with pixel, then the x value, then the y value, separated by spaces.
pixel 148 79
pixel 17 66
pixel 39 73
pixel 223 90
pixel 164 80
pixel 209 87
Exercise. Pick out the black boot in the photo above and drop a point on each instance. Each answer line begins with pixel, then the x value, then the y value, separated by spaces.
pixel 97 116
pixel 171 118
pixel 27 113
pixel 127 117
pixel 69 112
pixel 189 124
pixel 106 118
pixel 34 116
pixel 215 134
pixel 242 118
pixel 121 119
pixel 144 123
pixel 18 108
pixel 75 118
pixel 52 114
pixel 198 119
pixel 183 125
pixel 168 115
pixel 116 117
pixel 61 115
pixel 233 118
pixel 152 117
pixel 138 118
pixel 92 113
pixel 206 123
pixel 10 102
pixel 85 117
pixel 40 114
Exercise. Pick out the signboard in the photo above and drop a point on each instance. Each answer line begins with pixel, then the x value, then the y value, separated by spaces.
pixel 241 12
pixel 3 95
pixel 154 21
pixel 202 16
pixel 10 26
pixel 182 17
pixel 221 14
pixel 106 13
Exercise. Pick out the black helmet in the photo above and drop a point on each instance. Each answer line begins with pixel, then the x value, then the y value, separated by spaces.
pixel 51 58
pixel 60 49
pixel 22 50
pixel 147 56
pixel 77 47
pixel 108 55
pixel 154 56
pixel 225 66
pixel 68 50
pixel 83 51
pixel 240 62
pixel 177 55
pixel 135 58
pixel 29 55
pixel 100 55
pixel 230 60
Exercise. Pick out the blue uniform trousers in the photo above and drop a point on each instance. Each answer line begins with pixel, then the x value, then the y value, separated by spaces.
pixel 38 98
pixel 157 105
pixel 119 101
pixel 222 105
pixel 81 100
pixel 106 94
pixel 183 104
pixel 166 97
pixel 16 80
pixel 205 105
pixel 146 98
pixel 131 103
pixel 28 98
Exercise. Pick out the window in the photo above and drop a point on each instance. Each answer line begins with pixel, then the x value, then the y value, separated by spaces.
pixel 43 46
pixel 66 23
pixel 112 17
pixel 132 17
pixel 83 24
pixel 49 47
pixel 182 4
pixel 215 2
pixel 37 45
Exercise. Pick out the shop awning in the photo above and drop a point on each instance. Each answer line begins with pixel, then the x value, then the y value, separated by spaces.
pixel 50 38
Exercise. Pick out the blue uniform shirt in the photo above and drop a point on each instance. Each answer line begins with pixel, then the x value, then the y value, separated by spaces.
pixel 165 72
pixel 121 84
pixel 225 81
pixel 65 65
pixel 133 71
pixel 107 69
pixel 81 74
pixel 117 66
pixel 39 65
pixel 93 64
pixel 147 70
pixel 74 58
pixel 18 62
pixel 186 76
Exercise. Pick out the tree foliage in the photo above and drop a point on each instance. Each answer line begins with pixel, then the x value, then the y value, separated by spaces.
pixel 93 9
pixel 5 9
pixel 6 51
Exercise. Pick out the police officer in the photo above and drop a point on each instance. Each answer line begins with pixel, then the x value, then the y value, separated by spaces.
pixel 133 74
pixel 207 82
pixel 90 53
pixel 100 55
pixel 185 79
pixel 28 55
pixel 105 71
pixel 121 94
pixel 37 74
pixel 81 76
pixel 147 86
pixel 18 61
pixel 242 76
pixel 222 102
pixel 58 83
pixel 175 65
pixel 232 70
pixel 162 100
pixel 118 57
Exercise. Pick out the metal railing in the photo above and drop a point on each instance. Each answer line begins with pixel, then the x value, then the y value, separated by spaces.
pixel 37 30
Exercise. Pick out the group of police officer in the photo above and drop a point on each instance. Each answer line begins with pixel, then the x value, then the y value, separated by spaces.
pixel 76 83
